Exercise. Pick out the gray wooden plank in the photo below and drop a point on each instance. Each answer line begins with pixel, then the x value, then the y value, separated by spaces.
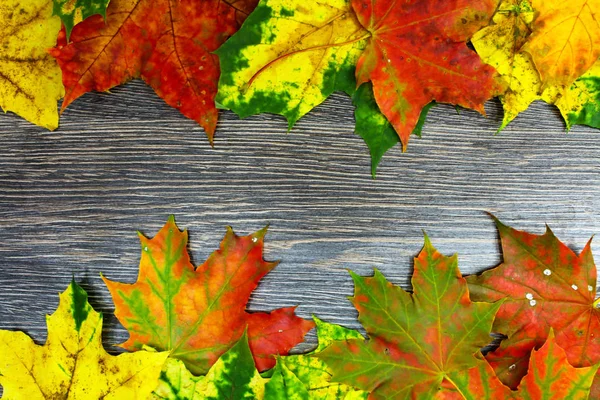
pixel 71 200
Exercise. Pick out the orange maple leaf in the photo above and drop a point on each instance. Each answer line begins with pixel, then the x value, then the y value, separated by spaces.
pixel 199 313
pixel 167 43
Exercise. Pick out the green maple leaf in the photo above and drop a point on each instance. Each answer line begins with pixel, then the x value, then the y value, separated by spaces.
pixel 421 344
pixel 374 128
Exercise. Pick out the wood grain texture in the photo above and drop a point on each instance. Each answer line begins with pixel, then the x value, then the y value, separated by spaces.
pixel 71 200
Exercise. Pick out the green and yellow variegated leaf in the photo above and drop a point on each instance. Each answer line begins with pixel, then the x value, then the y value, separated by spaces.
pixel 73 364
pixel 500 45
pixel 285 385
pixel 233 376
pixel 289 56
pixel 72 12
pixel 307 377
pixel 581 104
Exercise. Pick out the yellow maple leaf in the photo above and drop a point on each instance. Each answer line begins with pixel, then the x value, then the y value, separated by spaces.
pixel 73 364
pixel 30 79
pixel 501 45
pixel 565 39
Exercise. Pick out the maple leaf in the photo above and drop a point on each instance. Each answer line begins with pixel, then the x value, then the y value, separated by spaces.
pixel 374 128
pixel 306 376
pixel 550 376
pixel 30 83
pixel 545 286
pixel 72 12
pixel 500 45
pixel 418 53
pixel 168 44
pixel 420 344
pixel 565 41
pixel 584 107
pixel 287 58
pixel 72 364
pixel 199 313
pixel 233 375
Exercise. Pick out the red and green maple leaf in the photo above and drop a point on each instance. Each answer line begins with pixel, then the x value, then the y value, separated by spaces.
pixel 418 53
pixel 167 43
pixel 550 376
pixel 420 345
pixel 545 286
pixel 199 313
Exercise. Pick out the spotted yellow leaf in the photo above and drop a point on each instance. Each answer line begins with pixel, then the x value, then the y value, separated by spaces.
pixel 30 79
pixel 501 44
pixel 72 364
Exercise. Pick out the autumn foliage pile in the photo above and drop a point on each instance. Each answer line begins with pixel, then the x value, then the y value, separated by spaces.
pixel 190 336
pixel 395 58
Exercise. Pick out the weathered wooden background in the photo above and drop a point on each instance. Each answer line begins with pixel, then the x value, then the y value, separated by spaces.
pixel 72 200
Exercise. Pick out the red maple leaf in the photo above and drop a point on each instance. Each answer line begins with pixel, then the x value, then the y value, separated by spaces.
pixel 167 43
pixel 545 286
pixel 199 313
pixel 418 54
